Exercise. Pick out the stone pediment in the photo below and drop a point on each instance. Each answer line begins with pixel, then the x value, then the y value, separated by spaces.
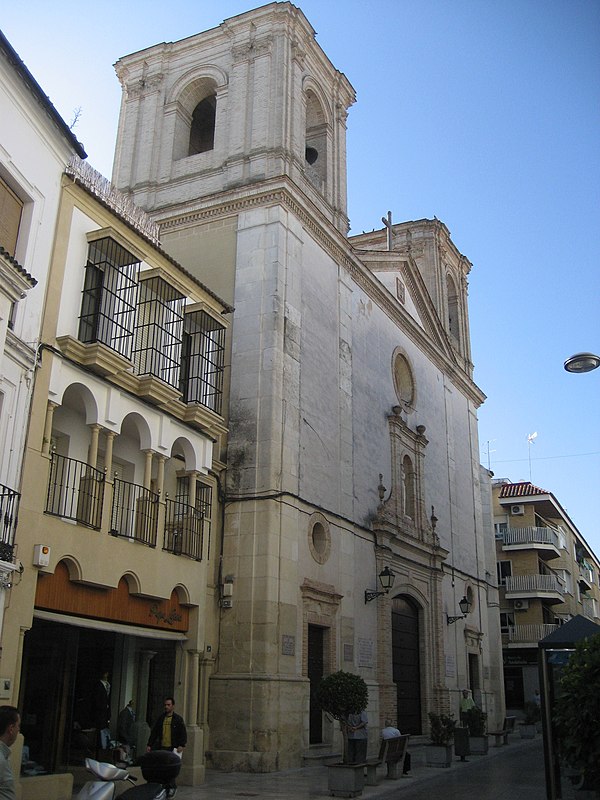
pixel 402 278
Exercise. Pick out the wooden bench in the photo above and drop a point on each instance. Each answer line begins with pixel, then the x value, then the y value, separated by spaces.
pixel 502 736
pixel 392 753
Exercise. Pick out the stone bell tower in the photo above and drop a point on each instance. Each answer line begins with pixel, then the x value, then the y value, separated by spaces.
pixel 252 104
pixel 234 140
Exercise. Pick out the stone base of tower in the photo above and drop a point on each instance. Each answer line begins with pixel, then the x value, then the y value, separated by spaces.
pixel 258 723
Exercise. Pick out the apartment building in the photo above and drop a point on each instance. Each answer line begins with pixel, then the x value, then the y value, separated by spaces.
pixel 547 574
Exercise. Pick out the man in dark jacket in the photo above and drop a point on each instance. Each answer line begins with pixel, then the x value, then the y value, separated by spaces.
pixel 168 733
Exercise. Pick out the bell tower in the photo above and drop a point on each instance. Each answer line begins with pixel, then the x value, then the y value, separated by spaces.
pixel 251 104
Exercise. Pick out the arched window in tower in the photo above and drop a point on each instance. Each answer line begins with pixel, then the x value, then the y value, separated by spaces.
pixel 202 129
pixel 315 152
pixel 408 487
pixel 453 308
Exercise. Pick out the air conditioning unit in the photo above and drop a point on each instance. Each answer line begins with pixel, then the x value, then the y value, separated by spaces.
pixel 521 605
pixel 517 511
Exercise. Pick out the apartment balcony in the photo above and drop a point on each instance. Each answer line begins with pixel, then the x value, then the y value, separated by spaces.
pixel 528 635
pixel 75 491
pixel 585 578
pixel 543 540
pixel 134 513
pixel 543 587
pixel 9 508
pixel 184 530
pixel 590 608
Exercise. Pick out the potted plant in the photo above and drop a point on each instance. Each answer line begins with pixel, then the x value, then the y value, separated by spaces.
pixel 577 710
pixel 439 752
pixel 339 695
pixel 475 719
pixel 527 726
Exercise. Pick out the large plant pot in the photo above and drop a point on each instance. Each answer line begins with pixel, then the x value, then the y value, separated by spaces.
pixel 478 745
pixel 345 780
pixel 438 755
pixel 527 731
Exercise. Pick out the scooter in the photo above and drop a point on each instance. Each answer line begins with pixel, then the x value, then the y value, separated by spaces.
pixel 159 767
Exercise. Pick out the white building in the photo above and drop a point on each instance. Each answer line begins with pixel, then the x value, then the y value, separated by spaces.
pixel 35 147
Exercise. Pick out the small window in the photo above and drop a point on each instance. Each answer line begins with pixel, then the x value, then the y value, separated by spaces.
pixel 408 488
pixel 504 569
pixel 500 529
pixel 202 130
pixel 11 211
pixel 507 620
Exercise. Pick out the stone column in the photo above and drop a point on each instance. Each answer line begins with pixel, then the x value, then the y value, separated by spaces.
pixel 93 449
pixel 48 428
pixel 108 454
pixel 148 468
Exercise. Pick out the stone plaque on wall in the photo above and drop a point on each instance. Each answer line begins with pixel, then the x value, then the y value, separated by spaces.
pixel 365 652
pixel 348 652
pixel 288 645
pixel 450 667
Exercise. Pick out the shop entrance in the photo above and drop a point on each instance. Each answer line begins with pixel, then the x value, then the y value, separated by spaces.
pixel 62 667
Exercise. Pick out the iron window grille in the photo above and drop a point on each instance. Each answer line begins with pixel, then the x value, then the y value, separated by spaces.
pixel 134 513
pixel 109 296
pixel 202 361
pixel 159 331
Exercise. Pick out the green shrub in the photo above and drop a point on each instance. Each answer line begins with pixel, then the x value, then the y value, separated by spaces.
pixel 442 728
pixel 340 694
pixel 577 711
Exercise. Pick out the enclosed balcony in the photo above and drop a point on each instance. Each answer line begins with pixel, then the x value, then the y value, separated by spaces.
pixel 543 540
pixel 528 635
pixel 545 587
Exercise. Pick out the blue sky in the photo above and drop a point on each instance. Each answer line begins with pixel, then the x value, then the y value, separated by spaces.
pixel 482 113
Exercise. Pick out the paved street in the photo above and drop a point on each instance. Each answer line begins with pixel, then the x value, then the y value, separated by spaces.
pixel 514 772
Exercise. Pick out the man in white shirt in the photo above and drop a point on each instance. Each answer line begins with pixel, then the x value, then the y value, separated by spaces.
pixel 390 732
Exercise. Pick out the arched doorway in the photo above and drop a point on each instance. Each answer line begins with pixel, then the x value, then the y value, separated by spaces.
pixel 406 663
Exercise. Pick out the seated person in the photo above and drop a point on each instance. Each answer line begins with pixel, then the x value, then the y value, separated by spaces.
pixel 390 732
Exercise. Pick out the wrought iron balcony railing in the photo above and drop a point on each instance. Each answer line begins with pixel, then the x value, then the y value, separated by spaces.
pixel 533 584
pixel 75 491
pixel 134 513
pixel 9 511
pixel 184 530
pixel 529 633
pixel 530 536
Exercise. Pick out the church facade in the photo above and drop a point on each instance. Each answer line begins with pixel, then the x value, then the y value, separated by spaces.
pixel 353 449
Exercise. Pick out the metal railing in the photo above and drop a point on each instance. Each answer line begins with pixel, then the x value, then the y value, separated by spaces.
pixel 75 491
pixel 134 513
pixel 534 583
pixel 9 511
pixel 531 535
pixel 184 530
pixel 529 633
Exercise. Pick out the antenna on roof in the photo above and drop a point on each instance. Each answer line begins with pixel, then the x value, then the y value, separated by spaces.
pixel 531 437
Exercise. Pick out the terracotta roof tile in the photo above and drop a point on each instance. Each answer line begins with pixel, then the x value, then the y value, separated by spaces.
pixel 522 489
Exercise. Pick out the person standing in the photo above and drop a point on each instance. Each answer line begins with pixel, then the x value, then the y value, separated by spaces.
pixel 168 733
pixel 125 728
pixel 101 711
pixel 357 727
pixel 10 725
pixel 466 704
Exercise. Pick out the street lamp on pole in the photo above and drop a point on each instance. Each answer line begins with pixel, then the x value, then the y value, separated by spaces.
pixel 582 362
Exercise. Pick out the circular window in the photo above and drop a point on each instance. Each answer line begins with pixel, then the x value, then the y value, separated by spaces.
pixel 319 538
pixel 404 383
